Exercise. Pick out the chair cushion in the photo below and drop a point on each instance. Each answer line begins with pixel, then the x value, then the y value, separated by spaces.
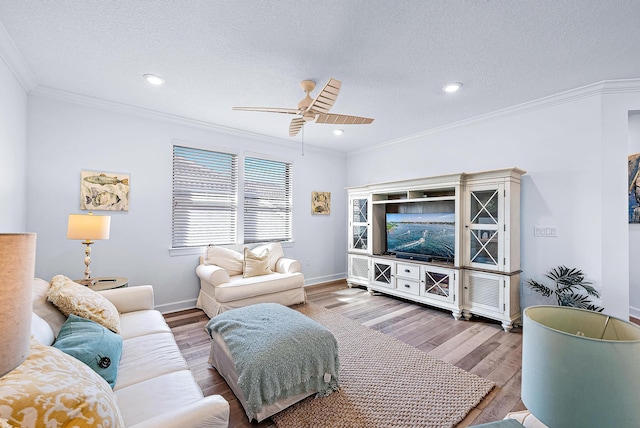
pixel 242 288
pixel 51 388
pixel 73 298
pixel 93 344
pixel 254 264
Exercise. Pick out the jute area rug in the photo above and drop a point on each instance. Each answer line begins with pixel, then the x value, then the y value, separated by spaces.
pixel 384 383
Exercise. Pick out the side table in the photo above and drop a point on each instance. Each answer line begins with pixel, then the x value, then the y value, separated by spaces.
pixel 107 283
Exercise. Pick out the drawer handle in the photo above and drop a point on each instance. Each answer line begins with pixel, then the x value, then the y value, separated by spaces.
pixel 407 271
pixel 407 285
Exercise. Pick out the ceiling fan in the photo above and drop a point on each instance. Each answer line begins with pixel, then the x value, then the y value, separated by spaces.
pixel 316 109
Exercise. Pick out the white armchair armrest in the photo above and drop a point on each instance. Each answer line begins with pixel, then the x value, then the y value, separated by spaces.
pixel 210 412
pixel 285 265
pixel 214 275
pixel 131 299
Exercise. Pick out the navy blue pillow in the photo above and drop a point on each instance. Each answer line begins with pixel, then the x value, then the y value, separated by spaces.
pixel 93 344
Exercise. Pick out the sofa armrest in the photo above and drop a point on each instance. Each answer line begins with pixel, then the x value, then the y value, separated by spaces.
pixel 210 412
pixel 214 275
pixel 285 265
pixel 131 299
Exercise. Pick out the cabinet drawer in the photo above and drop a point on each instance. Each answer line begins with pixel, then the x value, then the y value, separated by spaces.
pixel 408 285
pixel 408 271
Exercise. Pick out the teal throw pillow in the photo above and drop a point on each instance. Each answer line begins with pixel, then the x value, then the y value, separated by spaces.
pixel 96 346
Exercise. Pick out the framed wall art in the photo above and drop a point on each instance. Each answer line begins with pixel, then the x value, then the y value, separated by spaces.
pixel 107 191
pixel 321 203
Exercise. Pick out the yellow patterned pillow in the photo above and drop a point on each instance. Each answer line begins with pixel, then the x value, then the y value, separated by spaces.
pixel 73 298
pixel 54 389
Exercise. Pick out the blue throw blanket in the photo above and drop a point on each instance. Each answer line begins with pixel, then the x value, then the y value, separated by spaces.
pixel 278 352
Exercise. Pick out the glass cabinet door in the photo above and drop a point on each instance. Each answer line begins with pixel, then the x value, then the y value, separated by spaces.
pixel 485 228
pixel 438 284
pixel 359 224
pixel 382 270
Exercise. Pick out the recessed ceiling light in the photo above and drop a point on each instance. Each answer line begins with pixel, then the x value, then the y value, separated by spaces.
pixel 153 79
pixel 338 131
pixel 452 87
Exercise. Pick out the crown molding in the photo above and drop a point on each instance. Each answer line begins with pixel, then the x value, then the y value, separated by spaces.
pixel 100 103
pixel 14 60
pixel 595 89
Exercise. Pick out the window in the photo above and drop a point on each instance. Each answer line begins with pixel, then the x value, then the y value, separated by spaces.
pixel 205 189
pixel 267 200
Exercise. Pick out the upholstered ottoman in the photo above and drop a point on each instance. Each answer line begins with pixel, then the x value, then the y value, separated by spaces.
pixel 272 357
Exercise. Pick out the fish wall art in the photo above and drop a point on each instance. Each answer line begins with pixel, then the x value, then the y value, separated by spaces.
pixel 106 191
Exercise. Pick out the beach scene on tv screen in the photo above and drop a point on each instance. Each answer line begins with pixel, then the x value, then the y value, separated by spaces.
pixel 430 234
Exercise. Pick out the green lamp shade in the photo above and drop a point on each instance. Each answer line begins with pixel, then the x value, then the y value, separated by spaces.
pixel 580 368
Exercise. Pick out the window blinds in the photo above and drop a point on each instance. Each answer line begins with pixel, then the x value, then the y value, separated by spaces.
pixel 267 200
pixel 205 188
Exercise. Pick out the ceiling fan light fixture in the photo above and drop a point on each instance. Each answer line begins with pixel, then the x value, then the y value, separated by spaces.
pixel 154 79
pixel 338 132
pixel 452 87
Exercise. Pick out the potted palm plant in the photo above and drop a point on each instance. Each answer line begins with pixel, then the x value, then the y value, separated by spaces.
pixel 569 288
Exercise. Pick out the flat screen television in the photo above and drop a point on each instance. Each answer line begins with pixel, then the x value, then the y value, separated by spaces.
pixel 427 237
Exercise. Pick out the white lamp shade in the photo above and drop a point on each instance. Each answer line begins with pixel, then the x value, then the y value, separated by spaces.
pixel 17 269
pixel 88 227
pixel 580 368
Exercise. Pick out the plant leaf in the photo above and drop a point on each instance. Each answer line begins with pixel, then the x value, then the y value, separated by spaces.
pixel 540 288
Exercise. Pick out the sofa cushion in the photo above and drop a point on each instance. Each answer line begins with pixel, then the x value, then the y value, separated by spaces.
pixel 226 258
pixel 73 298
pixel 149 356
pixel 275 253
pixel 41 331
pixel 242 288
pixel 54 389
pixel 254 264
pixel 170 392
pixel 140 323
pixel 93 344
pixel 44 308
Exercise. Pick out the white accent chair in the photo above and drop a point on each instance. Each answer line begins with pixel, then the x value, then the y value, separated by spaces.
pixel 225 283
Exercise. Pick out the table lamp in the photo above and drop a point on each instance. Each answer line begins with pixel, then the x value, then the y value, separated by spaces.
pixel 88 228
pixel 17 270
pixel 580 368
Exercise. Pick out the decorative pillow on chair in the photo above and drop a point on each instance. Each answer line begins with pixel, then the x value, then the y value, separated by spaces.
pixel 275 253
pixel 73 298
pixel 93 344
pixel 53 389
pixel 255 265
pixel 226 258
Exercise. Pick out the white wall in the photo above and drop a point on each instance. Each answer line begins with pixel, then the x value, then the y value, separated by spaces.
pixel 574 161
pixel 13 152
pixel 67 137
pixel 634 228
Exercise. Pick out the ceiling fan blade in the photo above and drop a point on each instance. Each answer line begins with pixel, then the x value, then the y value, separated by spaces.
pixel 343 119
pixel 325 99
pixel 269 109
pixel 295 126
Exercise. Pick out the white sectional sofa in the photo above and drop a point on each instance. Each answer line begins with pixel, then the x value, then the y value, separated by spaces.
pixel 154 386
pixel 228 280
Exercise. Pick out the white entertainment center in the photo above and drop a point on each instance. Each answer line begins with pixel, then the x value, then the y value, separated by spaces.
pixel 480 272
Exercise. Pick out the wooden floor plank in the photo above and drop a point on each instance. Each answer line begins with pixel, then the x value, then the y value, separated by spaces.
pixel 479 346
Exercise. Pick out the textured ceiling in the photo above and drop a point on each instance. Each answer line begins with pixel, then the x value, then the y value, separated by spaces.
pixel 391 56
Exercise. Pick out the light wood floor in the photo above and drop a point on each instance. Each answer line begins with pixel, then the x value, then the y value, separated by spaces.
pixel 479 346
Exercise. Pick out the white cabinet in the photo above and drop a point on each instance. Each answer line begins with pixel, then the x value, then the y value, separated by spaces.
pixel 360 224
pixel 358 270
pixel 492 295
pixel 450 241
pixel 382 273
pixel 491 236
